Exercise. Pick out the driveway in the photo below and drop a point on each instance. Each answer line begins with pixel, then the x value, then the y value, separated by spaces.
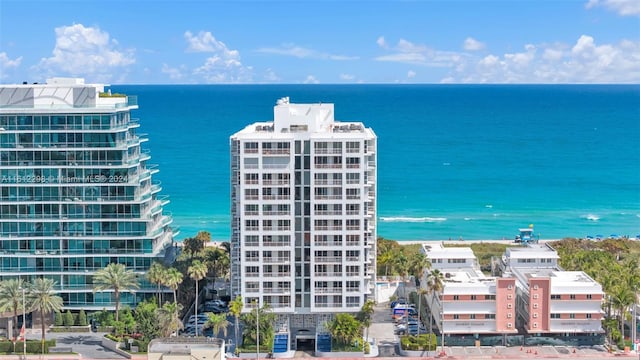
pixel 89 345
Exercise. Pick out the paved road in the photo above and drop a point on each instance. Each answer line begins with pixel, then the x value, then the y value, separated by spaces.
pixel 87 344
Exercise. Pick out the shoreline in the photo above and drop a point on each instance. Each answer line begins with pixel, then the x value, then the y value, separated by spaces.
pixel 463 242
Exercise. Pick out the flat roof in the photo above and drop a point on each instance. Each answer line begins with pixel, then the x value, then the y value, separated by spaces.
pixel 532 251
pixel 437 251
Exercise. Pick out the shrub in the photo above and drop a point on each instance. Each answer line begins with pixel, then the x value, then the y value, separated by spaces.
pixel 424 342
pixel 82 319
pixel 141 344
pixel 57 320
pixel 68 319
pixel 367 348
pixel 33 347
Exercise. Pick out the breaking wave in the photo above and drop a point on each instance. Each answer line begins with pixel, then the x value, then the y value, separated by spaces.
pixel 413 219
pixel 591 217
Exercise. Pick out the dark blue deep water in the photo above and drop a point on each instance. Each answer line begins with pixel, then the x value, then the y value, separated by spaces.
pixel 471 161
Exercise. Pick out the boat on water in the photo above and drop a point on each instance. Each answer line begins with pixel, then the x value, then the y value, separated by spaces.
pixel 527 236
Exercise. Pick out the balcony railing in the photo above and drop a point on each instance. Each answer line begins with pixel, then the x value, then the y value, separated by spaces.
pixel 329 290
pixel 329 305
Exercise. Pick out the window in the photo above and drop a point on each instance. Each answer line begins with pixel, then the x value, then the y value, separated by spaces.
pixel 252 255
pixel 251 209
pixel 489 297
pixel 353 178
pixel 589 316
pixel 572 316
pixel 251 194
pixel 250 178
pixel 251 147
pixel 456 297
pixel 509 315
pixel 456 316
pixel 353 301
pixel 472 316
pixel 353 163
pixel 352 146
pixel 252 287
pixel 555 297
pixel 572 296
pixel 490 316
pixel 473 297
pixel 353 194
pixel 555 316
pixel 589 296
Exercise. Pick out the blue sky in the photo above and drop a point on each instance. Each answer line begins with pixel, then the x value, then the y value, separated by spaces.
pixel 203 42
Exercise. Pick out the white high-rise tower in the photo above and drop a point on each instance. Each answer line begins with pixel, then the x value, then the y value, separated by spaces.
pixel 303 207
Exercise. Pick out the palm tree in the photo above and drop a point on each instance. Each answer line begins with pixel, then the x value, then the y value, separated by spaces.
pixel 197 271
pixel 173 279
pixel 217 322
pixel 418 262
pixel 155 275
pixel 235 309
pixel 366 313
pixel 421 291
pixel 169 318
pixel 43 299
pixel 344 328
pixel 115 277
pixel 11 299
pixel 435 284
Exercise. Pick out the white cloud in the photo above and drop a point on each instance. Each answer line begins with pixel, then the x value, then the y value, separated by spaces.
pixel 411 74
pixel 586 61
pixel 203 42
pixel 6 63
pixel 224 66
pixel 174 73
pixel 418 54
pixel 88 52
pixel 347 77
pixel 311 80
pixel 220 69
pixel 382 43
pixel 622 7
pixel 471 44
pixel 271 76
pixel 303 53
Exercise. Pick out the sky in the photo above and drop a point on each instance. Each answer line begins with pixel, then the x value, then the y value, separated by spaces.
pixel 321 42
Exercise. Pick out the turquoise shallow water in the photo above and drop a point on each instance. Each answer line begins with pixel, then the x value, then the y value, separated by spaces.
pixel 476 162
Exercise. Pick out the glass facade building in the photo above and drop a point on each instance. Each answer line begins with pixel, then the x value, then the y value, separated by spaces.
pixel 76 192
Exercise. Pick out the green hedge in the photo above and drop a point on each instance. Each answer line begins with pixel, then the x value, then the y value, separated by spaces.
pixel 423 342
pixel 73 329
pixel 33 346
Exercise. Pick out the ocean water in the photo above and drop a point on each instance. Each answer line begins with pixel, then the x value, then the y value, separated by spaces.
pixel 470 161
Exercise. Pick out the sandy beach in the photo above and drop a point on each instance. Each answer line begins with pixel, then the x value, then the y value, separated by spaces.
pixel 469 242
